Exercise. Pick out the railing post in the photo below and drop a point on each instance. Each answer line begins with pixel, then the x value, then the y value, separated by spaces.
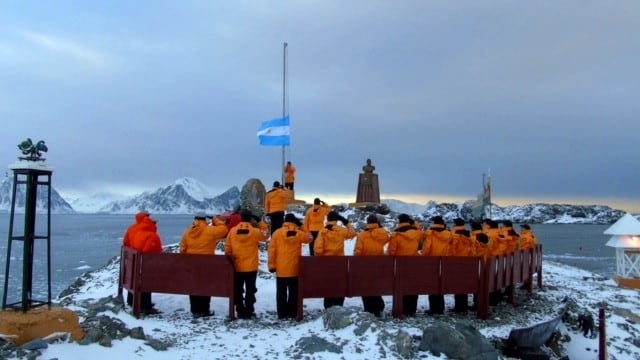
pixel 602 333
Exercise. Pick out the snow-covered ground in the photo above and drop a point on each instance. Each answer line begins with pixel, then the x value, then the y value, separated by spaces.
pixel 267 337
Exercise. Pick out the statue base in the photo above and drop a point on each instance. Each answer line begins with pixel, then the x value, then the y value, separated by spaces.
pixel 21 327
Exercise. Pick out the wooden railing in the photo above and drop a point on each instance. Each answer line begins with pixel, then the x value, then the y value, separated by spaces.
pixel 338 276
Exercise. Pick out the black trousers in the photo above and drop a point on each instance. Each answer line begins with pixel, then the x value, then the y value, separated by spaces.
pixel 436 304
pixel 245 293
pixel 288 185
pixel 277 219
pixel 461 302
pixel 329 302
pixel 145 300
pixel 314 235
pixel 287 297
pixel 200 304
pixel 409 305
pixel 373 304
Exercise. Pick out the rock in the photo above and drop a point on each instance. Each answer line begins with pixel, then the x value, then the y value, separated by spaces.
pixel 336 317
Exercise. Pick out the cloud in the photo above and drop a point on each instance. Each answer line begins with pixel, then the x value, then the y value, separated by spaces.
pixel 67 47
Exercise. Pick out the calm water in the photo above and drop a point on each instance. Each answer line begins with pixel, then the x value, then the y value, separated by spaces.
pixel 81 243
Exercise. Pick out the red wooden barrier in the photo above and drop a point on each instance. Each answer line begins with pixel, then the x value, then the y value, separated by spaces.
pixel 371 275
pixel 206 275
pixel 322 276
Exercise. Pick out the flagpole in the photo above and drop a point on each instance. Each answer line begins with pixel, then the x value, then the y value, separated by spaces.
pixel 284 101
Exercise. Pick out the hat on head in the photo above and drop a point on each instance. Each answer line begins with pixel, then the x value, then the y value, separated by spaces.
pixel 276 184
pixel 291 218
pixel 333 216
pixel 525 226
pixel 200 216
pixel 316 201
pixel 476 225
pixel 404 218
pixel 507 223
pixel 245 215
pixel 437 220
pixel 458 222
pixel 373 219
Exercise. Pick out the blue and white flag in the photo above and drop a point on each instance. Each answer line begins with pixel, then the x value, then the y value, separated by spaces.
pixel 275 132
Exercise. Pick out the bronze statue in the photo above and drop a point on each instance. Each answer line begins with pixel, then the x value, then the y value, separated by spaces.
pixel 33 151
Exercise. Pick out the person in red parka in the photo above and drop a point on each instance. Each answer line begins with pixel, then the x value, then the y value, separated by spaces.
pixel 126 241
pixel 285 250
pixel 147 240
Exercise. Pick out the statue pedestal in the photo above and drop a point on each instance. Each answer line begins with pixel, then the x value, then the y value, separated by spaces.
pixel 368 189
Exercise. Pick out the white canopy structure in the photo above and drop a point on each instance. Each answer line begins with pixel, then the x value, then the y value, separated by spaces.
pixel 626 240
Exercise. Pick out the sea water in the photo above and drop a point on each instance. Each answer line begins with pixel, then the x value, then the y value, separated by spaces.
pixel 82 243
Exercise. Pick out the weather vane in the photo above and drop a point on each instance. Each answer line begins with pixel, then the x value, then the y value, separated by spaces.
pixel 32 151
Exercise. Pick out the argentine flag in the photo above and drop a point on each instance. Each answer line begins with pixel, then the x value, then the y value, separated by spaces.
pixel 275 132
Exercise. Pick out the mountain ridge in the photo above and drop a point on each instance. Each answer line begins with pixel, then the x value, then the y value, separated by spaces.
pixel 187 195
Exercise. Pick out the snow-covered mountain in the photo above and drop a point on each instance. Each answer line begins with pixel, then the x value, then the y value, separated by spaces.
pixel 530 213
pixel 58 204
pixel 184 196
pixel 93 203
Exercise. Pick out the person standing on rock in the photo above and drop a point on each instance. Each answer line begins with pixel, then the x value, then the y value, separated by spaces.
pixel 405 241
pixel 289 175
pixel 314 220
pixel 127 239
pixel 275 204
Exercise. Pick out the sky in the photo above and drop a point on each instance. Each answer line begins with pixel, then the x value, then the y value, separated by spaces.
pixel 130 96
pixel 217 337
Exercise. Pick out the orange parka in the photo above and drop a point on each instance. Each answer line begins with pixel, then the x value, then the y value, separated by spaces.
pixel 289 174
pixel 331 238
pixel 202 238
pixel 128 235
pixel 277 199
pixel 146 238
pixel 285 249
pixel 480 242
pixel 371 241
pixel 497 243
pixel 511 239
pixel 527 239
pixel 405 240
pixel 243 245
pixel 461 244
pixel 314 218
pixel 437 240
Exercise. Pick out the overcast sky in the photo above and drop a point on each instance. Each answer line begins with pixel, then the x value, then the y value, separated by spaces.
pixel 132 95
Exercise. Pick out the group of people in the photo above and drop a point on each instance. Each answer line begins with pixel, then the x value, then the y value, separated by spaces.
pixel 325 231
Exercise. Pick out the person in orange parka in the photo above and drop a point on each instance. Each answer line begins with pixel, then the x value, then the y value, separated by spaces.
pixel 127 239
pixel 527 237
pixel 242 247
pixel 275 204
pixel 371 242
pixel 405 241
pixel 497 245
pixel 201 239
pixel 461 245
pixel 512 238
pixel 481 248
pixel 289 175
pixel 314 220
pixel 285 249
pixel 437 243
pixel 330 242
pixel 146 240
